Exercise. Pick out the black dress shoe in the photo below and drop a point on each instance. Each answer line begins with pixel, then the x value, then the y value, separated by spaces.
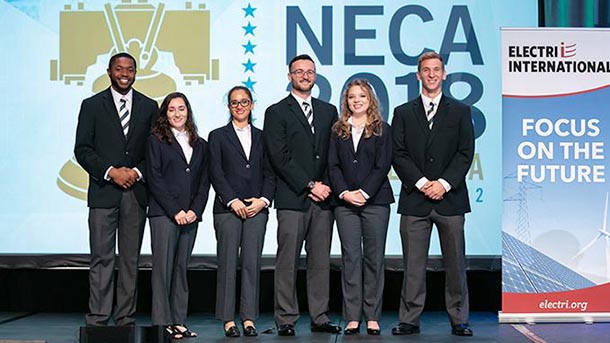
pixel 286 330
pixel 352 331
pixel 374 332
pixel 461 330
pixel 250 331
pixel 405 329
pixel 232 331
pixel 328 327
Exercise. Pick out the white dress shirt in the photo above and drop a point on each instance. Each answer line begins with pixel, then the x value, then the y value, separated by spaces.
pixel 244 135
pixel 116 98
pixel 436 100
pixel 182 137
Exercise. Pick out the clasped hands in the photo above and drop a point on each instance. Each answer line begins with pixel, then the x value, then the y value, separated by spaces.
pixel 354 198
pixel 184 218
pixel 319 192
pixel 123 176
pixel 243 211
pixel 433 190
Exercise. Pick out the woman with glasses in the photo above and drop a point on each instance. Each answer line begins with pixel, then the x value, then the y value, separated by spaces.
pixel 359 159
pixel 244 185
pixel 177 177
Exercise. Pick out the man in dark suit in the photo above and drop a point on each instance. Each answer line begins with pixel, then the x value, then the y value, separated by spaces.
pixel 296 137
pixel 113 127
pixel 433 149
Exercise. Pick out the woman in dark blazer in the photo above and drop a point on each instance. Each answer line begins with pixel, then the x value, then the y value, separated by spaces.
pixel 244 185
pixel 177 163
pixel 359 159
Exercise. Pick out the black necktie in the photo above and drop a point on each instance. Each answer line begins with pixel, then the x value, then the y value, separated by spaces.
pixel 309 115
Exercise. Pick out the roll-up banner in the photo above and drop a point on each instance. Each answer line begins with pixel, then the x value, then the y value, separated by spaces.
pixel 556 113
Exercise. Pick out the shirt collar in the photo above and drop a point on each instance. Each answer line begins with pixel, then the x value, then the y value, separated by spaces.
pixel 435 100
pixel 241 129
pixel 301 100
pixel 351 122
pixel 118 96
pixel 179 133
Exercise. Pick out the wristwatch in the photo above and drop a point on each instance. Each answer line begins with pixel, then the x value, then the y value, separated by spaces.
pixel 311 184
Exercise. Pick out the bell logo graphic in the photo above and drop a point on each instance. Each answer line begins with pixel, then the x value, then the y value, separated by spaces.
pixel 171 47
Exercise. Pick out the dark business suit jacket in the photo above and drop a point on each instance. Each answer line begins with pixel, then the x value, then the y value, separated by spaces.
pixel 235 176
pixel 175 184
pixel 366 169
pixel 100 143
pixel 296 154
pixel 444 152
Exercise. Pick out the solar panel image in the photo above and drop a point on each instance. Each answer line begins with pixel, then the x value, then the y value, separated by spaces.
pixel 527 270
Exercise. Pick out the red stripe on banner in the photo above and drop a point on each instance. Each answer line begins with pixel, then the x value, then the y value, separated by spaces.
pixel 554 95
pixel 592 299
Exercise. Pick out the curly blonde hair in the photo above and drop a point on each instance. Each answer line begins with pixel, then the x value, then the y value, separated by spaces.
pixel 373 125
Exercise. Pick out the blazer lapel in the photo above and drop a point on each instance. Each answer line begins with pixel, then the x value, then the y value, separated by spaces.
pixel 113 115
pixel 176 146
pixel 232 137
pixel 420 115
pixel 256 138
pixel 133 123
pixel 196 154
pixel 316 121
pixel 439 117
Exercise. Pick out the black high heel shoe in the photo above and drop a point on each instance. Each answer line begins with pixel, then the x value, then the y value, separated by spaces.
pixel 352 331
pixel 372 331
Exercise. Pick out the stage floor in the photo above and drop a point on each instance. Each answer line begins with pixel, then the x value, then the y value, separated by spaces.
pixel 64 327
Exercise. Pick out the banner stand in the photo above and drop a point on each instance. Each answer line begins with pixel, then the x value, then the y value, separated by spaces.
pixel 556 189
pixel 534 318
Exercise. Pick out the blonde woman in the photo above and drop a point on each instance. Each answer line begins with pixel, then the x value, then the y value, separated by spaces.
pixel 359 160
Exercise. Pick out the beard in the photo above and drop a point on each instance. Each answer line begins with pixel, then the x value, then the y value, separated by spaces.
pixel 302 87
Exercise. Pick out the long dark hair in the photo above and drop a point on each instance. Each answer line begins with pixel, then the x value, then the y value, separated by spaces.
pixel 248 93
pixel 162 129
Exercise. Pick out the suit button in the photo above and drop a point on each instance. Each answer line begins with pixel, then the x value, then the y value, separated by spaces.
pixel 247 166
pixel 355 161
pixel 188 170
pixel 126 152
pixel 317 157
pixel 431 159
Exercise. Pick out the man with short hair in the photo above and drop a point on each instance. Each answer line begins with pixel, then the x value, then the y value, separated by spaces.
pixel 111 135
pixel 296 137
pixel 433 149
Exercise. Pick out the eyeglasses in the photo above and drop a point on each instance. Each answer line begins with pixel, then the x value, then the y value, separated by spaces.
pixel 242 102
pixel 301 72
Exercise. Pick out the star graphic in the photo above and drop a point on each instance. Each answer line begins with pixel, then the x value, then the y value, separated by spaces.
pixel 249 29
pixel 249 83
pixel 249 66
pixel 249 47
pixel 249 11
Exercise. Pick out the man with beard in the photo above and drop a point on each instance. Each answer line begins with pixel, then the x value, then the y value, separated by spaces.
pixel 296 137
pixel 111 135
pixel 433 149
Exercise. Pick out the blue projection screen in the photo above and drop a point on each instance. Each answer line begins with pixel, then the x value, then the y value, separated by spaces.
pixel 55 54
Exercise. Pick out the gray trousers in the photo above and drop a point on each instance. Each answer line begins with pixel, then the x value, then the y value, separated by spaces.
pixel 415 234
pixel 128 219
pixel 363 233
pixel 314 227
pixel 239 242
pixel 172 246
